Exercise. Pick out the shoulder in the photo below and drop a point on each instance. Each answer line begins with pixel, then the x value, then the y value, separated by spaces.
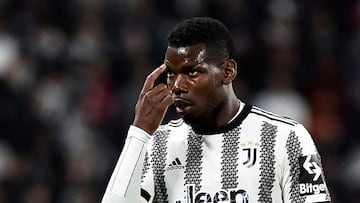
pixel 170 135
pixel 177 126
pixel 176 123
pixel 287 130
pixel 272 118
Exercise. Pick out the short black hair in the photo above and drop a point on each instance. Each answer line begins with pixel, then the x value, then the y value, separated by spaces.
pixel 206 30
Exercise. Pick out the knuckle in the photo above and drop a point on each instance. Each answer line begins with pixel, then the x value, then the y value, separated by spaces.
pixel 162 86
pixel 150 77
pixel 146 96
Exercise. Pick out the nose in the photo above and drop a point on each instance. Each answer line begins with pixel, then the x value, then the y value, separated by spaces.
pixel 179 84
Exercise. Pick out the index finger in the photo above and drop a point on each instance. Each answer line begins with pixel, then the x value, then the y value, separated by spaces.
pixel 150 79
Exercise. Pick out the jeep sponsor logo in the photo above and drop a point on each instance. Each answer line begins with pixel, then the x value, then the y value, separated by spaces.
pixel 222 196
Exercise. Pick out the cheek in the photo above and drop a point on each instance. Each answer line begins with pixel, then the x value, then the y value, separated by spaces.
pixel 206 92
pixel 201 86
pixel 213 90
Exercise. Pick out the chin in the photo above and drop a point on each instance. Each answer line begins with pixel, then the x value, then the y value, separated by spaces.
pixel 194 120
pixel 187 119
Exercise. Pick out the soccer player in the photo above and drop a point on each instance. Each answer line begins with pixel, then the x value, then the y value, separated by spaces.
pixel 221 149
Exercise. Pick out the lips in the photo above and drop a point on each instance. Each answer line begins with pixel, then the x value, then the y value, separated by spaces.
pixel 181 104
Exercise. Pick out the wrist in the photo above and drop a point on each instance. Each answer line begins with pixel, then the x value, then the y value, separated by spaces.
pixel 143 127
pixel 135 131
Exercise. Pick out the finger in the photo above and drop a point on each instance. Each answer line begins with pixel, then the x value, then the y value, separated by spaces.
pixel 156 90
pixel 164 99
pixel 158 93
pixel 150 79
pixel 167 100
pixel 166 96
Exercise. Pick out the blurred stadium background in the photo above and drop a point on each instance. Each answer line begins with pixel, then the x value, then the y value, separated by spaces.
pixel 71 70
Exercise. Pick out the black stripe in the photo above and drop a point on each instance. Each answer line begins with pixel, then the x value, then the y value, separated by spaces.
pixel 267 162
pixel 260 114
pixel 286 119
pixel 294 152
pixel 229 164
pixel 194 155
pixel 145 195
pixel 158 157
pixel 176 123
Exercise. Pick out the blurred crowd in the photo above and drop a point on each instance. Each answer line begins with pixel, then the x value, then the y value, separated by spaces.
pixel 71 71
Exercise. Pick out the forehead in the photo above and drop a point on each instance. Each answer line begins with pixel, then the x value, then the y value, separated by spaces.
pixel 194 54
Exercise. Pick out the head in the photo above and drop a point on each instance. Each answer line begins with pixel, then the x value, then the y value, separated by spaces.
pixel 201 70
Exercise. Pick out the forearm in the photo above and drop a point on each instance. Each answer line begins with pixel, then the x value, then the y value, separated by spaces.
pixel 124 184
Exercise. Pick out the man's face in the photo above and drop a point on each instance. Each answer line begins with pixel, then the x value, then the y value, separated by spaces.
pixel 195 82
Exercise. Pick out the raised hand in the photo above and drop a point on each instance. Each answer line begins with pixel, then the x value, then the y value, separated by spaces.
pixel 153 103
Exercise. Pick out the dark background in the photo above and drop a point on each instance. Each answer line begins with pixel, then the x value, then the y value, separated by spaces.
pixel 71 71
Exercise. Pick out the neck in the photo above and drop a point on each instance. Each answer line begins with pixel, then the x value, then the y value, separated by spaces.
pixel 228 111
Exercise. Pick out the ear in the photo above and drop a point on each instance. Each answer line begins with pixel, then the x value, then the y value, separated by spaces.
pixel 229 69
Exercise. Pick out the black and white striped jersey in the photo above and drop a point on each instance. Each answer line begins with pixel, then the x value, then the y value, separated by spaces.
pixel 257 157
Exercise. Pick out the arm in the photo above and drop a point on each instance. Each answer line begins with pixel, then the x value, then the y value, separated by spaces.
pixel 124 184
pixel 303 173
pixel 153 102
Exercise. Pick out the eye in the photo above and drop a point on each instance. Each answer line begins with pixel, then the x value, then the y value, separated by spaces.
pixel 193 72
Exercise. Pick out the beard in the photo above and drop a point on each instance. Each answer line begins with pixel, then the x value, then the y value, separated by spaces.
pixel 206 121
pixel 203 123
pixel 192 120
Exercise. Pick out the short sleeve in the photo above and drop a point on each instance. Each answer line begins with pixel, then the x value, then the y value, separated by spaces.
pixel 304 179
